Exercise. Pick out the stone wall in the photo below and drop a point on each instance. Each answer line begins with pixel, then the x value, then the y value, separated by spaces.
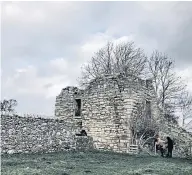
pixel 65 107
pixel 23 135
pixel 107 105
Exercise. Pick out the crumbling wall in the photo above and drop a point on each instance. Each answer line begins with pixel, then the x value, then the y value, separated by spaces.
pixel 24 135
pixel 107 104
pixel 65 106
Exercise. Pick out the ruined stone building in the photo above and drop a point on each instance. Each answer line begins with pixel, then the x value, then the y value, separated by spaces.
pixel 103 109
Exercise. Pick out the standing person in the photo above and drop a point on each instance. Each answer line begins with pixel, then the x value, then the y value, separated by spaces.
pixel 169 146
pixel 159 145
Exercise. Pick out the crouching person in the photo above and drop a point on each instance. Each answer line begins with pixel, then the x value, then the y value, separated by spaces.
pixel 160 145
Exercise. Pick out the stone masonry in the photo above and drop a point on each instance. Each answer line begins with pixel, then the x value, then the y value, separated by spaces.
pixel 104 108
pixel 30 135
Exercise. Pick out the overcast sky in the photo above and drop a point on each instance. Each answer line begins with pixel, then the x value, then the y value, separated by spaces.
pixel 44 44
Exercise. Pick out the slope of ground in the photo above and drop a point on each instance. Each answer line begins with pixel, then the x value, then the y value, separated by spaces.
pixel 92 163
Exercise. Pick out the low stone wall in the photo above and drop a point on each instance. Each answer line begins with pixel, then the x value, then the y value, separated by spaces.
pixel 24 135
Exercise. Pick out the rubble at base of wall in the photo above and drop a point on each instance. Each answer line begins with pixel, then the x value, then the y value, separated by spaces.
pixel 84 143
pixel 37 135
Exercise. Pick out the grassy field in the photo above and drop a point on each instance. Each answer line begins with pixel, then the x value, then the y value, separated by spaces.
pixel 90 163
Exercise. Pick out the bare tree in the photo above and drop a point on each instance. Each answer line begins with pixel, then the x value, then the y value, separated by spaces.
pixel 122 58
pixel 168 86
pixel 8 106
pixel 185 103
pixel 144 128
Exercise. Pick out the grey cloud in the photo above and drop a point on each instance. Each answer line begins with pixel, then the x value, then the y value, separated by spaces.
pixel 172 32
pixel 48 85
pixel 180 46
pixel 63 27
pixel 59 34
pixel 54 36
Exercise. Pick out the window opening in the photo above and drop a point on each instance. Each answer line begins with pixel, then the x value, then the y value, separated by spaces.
pixel 77 107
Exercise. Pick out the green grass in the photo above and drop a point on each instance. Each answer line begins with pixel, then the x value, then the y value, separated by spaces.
pixel 92 163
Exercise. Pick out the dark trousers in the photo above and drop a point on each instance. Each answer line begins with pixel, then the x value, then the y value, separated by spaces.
pixel 160 148
pixel 169 154
pixel 162 151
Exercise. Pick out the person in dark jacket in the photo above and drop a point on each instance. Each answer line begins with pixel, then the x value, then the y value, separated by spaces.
pixel 169 146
